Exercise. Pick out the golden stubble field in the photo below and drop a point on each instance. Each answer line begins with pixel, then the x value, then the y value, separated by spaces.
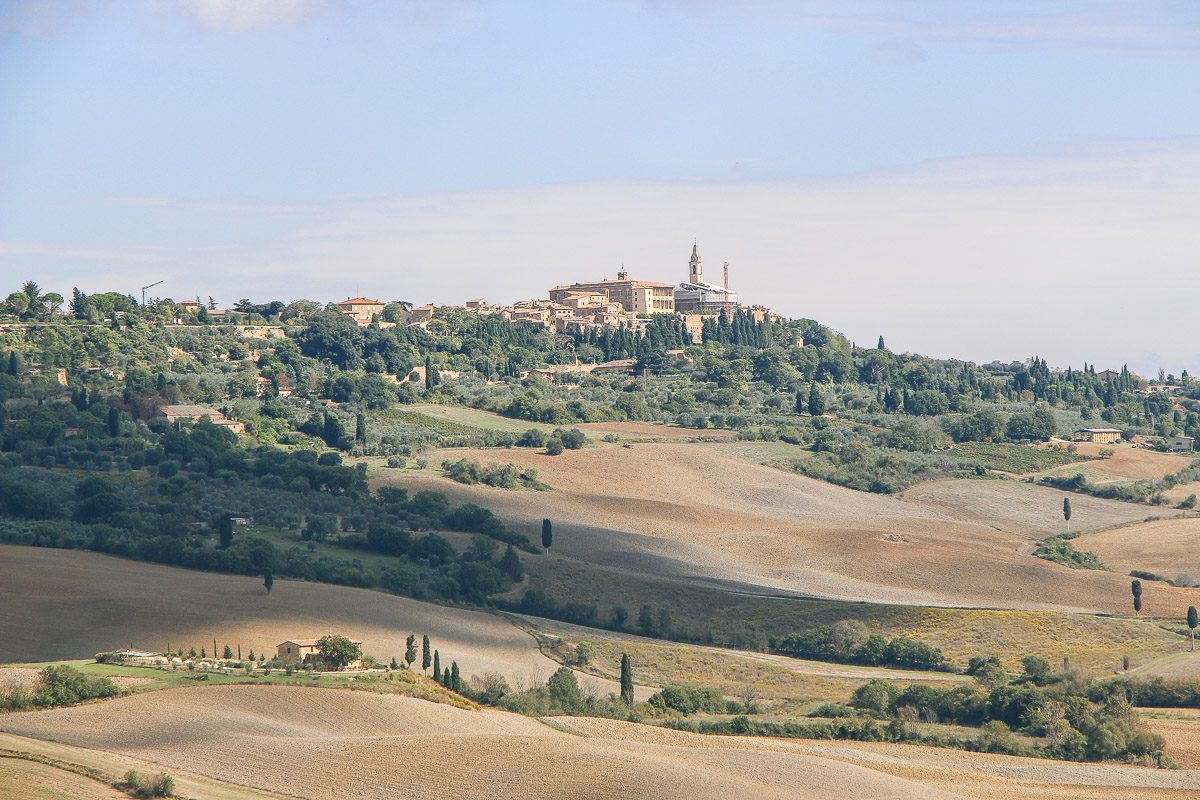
pixel 341 745
pixel 63 604
pixel 1167 547
pixel 692 512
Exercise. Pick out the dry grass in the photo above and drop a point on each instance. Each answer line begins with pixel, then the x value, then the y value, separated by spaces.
pixel 774 678
pixel 1168 547
pixel 1131 462
pixel 33 769
pixel 62 604
pixel 695 513
pixel 323 744
pixel 747 621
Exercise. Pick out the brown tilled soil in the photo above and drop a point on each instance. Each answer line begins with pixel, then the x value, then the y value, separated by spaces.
pixel 691 512
pixel 1182 737
pixel 1167 547
pixel 29 780
pixel 65 604
pixel 318 744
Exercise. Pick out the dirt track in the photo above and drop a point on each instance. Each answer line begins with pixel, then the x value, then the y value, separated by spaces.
pixel 319 744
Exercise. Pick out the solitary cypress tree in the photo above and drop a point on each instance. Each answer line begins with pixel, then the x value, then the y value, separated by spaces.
pixel 816 401
pixel 1192 622
pixel 626 680
pixel 1136 588
pixel 268 580
pixel 437 666
pixel 880 345
pixel 547 534
pixel 1067 511
pixel 226 530
pixel 426 657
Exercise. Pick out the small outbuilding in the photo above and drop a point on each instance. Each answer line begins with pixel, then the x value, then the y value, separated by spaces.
pixel 1180 443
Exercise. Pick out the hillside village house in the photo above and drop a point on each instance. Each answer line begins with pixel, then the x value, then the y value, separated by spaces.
pixel 1101 435
pixel 636 297
pixel 304 651
pixel 1180 443
pixel 361 310
pixel 190 413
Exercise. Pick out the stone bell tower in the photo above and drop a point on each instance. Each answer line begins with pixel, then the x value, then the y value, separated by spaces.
pixel 695 266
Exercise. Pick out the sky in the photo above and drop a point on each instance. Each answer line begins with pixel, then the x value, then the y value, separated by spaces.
pixel 977 180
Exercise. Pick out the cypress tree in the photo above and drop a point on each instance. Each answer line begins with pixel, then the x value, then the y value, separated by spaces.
pixel 437 666
pixel 446 678
pixel 410 650
pixel 455 678
pixel 1136 588
pixel 114 422
pixel 816 401
pixel 510 565
pixel 1192 622
pixel 14 366
pixel 426 658
pixel 268 580
pixel 226 532
pixel 360 429
pixel 1067 511
pixel 626 680
pixel 547 534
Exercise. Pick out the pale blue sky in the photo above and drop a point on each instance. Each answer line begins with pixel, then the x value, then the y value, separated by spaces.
pixel 931 171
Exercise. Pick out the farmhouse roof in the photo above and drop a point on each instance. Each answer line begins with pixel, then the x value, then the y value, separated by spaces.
pixel 358 301
pixel 189 411
pixel 1100 430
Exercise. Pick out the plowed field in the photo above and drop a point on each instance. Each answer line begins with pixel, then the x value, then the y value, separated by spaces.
pixel 340 745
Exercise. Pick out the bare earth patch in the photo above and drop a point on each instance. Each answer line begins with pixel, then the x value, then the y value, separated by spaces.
pixel 327 744
pixel 694 513
pixel 1168 547
pixel 85 603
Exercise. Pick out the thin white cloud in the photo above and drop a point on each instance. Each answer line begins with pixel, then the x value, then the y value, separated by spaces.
pixel 1073 256
pixel 242 15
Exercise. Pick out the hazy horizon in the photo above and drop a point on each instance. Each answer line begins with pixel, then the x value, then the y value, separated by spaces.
pixel 983 184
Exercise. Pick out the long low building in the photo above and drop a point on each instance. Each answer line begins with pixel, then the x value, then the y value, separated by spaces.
pixel 1102 435
pixel 193 414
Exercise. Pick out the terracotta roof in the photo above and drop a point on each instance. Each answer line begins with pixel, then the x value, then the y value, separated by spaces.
pixel 358 301
pixel 310 642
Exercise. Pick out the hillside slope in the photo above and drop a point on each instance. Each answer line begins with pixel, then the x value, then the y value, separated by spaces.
pixel 338 745
pixel 691 512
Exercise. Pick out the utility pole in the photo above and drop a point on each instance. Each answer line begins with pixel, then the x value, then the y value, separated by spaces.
pixel 144 288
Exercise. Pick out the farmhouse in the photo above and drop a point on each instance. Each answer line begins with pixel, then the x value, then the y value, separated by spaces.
pixel 304 651
pixel 1101 435
pixel 361 310
pixel 189 413
pixel 1180 443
